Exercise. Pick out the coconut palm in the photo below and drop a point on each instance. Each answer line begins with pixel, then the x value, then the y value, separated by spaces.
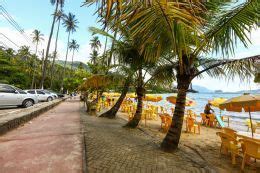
pixel 37 38
pixel 164 33
pixel 188 30
pixel 95 43
pixel 59 17
pixel 73 45
pixel 70 23
pixel 93 57
pixel 57 3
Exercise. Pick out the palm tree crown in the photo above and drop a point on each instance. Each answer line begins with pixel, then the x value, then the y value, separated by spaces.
pixel 70 22
pixel 73 45
pixel 37 36
pixel 95 43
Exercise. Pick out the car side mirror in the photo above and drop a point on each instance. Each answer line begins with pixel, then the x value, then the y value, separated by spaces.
pixel 16 92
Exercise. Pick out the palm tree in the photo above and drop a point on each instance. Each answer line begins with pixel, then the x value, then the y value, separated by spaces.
pixel 73 45
pixel 70 23
pixel 59 16
pixel 164 33
pixel 93 57
pixel 95 46
pixel 37 38
pixel 189 30
pixel 57 3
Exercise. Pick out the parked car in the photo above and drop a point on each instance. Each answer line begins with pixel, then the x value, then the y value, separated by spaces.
pixel 41 94
pixel 54 95
pixel 13 96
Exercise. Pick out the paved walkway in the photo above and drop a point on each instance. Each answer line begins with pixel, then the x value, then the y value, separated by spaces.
pixel 111 148
pixel 49 143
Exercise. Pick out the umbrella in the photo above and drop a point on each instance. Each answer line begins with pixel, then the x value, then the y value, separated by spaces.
pixel 217 101
pixel 248 103
pixel 152 98
pixel 172 99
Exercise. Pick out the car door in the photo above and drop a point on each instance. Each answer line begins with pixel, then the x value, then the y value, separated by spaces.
pixel 8 96
pixel 41 96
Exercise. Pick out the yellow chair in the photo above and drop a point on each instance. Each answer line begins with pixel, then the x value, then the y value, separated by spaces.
pixel 212 120
pixel 166 121
pixel 229 144
pixel 251 149
pixel 248 123
pixel 190 124
pixel 230 132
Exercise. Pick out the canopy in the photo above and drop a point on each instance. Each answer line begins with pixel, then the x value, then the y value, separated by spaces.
pixel 152 98
pixel 248 103
pixel 173 99
pixel 131 95
pixel 217 101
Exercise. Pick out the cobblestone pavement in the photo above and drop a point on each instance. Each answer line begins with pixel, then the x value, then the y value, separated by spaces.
pixel 50 143
pixel 111 148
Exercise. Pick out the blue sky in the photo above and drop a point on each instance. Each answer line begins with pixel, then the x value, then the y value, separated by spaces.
pixel 36 14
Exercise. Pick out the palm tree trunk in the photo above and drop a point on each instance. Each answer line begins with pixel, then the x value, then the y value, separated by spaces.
pixel 64 67
pixel 34 66
pixel 72 60
pixel 171 140
pixel 55 53
pixel 48 46
pixel 111 51
pixel 140 94
pixel 112 112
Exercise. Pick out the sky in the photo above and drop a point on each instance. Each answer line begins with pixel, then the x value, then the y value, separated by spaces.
pixel 36 14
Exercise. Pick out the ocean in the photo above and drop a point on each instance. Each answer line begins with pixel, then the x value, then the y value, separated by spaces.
pixel 237 119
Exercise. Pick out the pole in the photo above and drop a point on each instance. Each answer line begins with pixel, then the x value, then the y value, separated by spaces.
pixel 252 128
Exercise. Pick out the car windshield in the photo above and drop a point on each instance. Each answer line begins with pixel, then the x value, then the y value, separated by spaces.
pixel 20 91
pixel 47 92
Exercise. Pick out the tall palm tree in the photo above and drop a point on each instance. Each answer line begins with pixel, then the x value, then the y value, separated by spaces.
pixel 59 16
pixel 189 30
pixel 37 38
pixel 70 23
pixel 164 33
pixel 95 46
pixel 93 57
pixel 57 3
pixel 73 45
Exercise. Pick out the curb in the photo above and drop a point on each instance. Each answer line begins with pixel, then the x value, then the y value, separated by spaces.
pixel 17 121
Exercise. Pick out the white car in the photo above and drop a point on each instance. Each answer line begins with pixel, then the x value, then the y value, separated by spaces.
pixel 54 95
pixel 41 95
pixel 12 96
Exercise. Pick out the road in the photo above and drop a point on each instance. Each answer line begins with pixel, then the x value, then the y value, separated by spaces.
pixel 49 143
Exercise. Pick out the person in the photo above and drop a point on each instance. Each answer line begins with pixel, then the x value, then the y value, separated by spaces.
pixel 208 110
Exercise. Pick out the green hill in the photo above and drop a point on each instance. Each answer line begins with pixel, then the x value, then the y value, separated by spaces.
pixel 75 64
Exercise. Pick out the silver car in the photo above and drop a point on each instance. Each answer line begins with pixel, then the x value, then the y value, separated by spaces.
pixel 13 96
pixel 41 94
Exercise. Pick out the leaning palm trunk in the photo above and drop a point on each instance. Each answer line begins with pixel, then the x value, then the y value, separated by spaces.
pixel 113 111
pixel 140 94
pixel 48 47
pixel 171 140
pixel 34 66
pixel 55 53
pixel 64 67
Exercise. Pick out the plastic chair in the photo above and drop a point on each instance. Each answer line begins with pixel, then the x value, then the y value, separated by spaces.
pixel 191 125
pixel 251 148
pixel 230 132
pixel 204 119
pixel 248 123
pixel 228 144
pixel 212 120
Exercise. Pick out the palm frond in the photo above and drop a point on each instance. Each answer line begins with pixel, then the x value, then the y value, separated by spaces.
pixel 230 27
pixel 229 68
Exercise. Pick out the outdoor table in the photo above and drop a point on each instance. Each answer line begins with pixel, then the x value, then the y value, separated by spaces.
pixel 248 135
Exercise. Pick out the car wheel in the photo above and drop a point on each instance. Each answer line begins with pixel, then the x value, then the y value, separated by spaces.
pixel 27 103
pixel 49 99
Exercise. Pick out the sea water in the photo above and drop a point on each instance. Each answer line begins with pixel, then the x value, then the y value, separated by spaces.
pixel 237 119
